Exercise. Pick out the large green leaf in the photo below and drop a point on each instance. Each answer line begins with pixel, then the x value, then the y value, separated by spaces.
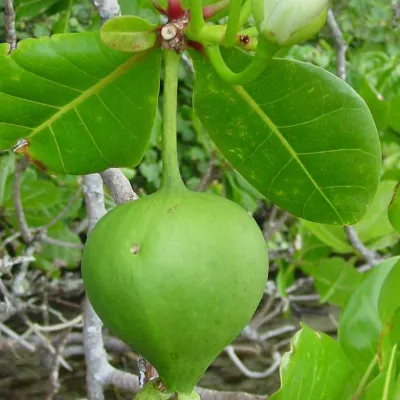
pixel 315 369
pixel 82 106
pixel 334 278
pixel 360 324
pixel 300 135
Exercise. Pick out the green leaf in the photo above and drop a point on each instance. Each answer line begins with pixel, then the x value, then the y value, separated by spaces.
pixel 335 279
pixel 389 299
pixel 62 256
pixel 237 194
pixel 312 248
pixel 82 106
pixel 394 117
pixel 394 210
pixel 315 368
pixel 129 33
pixel 42 200
pixel 333 236
pixel 140 8
pixel 360 324
pixel 26 9
pixel 375 223
pixel 372 228
pixel 62 25
pixel 301 136
pixel 35 193
pixel 285 277
pixel 383 386
pixel 380 108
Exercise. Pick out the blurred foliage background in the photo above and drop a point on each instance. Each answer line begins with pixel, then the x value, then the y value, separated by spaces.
pixel 298 249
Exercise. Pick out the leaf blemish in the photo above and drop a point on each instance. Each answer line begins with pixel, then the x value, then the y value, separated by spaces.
pixel 135 249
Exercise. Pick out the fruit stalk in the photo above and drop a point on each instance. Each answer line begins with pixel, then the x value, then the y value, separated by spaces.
pixel 171 178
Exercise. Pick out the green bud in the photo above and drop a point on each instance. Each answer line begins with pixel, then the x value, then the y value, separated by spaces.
pixel 287 22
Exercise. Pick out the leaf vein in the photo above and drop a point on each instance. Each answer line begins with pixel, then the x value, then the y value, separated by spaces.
pixel 45 79
pixel 58 148
pixel 91 137
pixel 28 100
pixel 250 101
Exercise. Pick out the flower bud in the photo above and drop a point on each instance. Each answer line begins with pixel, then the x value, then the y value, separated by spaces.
pixel 287 22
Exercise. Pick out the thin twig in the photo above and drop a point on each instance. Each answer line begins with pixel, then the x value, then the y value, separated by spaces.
pixel 19 211
pixel 107 9
pixel 230 350
pixel 18 282
pixel 208 175
pixel 55 370
pixel 118 185
pixel 13 335
pixel 277 332
pixel 6 263
pixel 341 45
pixel 9 14
pixel 46 342
pixel 58 327
pixel 275 226
pixel 369 256
pixel 61 243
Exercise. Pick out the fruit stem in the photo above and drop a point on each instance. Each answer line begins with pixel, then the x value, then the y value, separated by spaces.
pixel 233 23
pixel 171 178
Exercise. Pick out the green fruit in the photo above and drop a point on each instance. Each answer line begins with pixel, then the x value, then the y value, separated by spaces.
pixel 177 275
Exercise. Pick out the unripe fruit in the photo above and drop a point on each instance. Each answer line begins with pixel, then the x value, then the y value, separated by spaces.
pixel 177 275
pixel 287 22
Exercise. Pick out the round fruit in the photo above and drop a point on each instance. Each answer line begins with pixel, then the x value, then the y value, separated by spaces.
pixel 177 276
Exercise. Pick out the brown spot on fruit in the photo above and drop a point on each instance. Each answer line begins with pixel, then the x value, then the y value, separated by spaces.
pixel 135 249
pixel 245 39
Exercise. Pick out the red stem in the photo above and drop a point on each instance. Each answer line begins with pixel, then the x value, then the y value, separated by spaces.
pixel 210 11
pixel 175 10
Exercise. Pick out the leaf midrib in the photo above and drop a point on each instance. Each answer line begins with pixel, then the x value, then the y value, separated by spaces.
pixel 111 77
pixel 250 101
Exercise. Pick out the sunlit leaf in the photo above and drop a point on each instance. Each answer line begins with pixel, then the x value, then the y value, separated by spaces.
pixel 360 324
pixel 334 278
pixel 315 368
pixel 81 106
pixel 298 134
